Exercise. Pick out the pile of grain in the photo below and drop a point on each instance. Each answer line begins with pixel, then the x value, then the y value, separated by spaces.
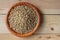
pixel 22 19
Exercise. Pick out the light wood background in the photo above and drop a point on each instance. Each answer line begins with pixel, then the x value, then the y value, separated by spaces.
pixel 50 16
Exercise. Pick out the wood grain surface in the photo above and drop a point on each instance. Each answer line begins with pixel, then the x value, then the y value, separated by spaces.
pixel 50 20
pixel 34 37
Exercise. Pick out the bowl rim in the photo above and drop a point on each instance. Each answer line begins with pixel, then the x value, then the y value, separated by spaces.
pixel 35 28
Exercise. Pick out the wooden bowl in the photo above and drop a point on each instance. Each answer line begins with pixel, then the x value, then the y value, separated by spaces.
pixel 35 28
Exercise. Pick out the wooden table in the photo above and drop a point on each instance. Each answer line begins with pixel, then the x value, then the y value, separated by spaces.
pixel 50 16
